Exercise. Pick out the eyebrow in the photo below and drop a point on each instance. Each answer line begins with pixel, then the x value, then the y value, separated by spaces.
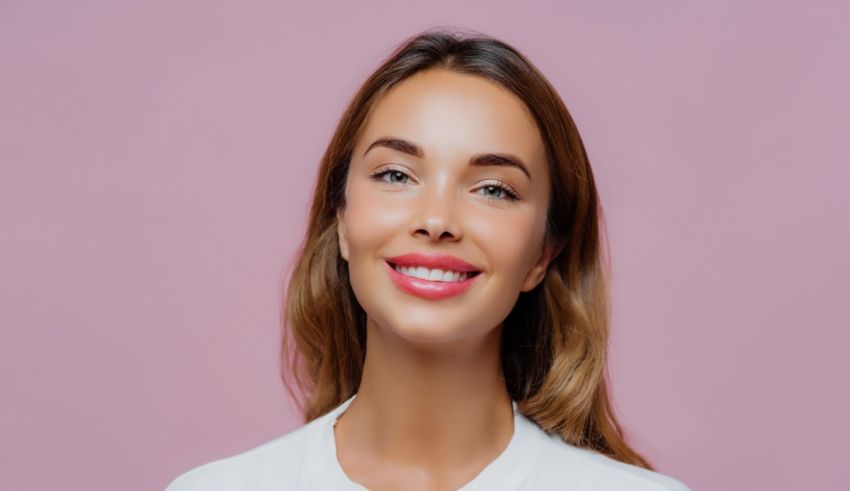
pixel 482 159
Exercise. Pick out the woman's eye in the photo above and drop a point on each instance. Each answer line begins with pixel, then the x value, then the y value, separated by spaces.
pixel 501 192
pixel 506 192
pixel 392 173
pixel 493 191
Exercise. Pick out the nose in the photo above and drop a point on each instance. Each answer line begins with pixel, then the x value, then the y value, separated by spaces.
pixel 437 215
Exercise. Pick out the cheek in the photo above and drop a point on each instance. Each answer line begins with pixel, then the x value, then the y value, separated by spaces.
pixel 371 220
pixel 508 241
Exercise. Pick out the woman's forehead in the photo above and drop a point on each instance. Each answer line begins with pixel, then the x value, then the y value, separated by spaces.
pixel 450 114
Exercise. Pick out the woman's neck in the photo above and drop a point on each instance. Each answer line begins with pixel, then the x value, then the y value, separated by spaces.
pixel 439 412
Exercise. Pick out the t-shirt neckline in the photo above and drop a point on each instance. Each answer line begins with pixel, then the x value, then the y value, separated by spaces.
pixel 507 471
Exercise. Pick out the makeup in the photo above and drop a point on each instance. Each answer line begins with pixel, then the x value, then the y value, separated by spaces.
pixel 434 260
pixel 433 289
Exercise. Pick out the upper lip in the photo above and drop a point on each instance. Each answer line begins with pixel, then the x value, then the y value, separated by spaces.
pixel 446 262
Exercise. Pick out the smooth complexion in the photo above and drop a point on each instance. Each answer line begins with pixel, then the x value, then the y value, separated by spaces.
pixel 432 409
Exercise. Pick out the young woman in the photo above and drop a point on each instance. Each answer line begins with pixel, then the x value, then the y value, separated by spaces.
pixel 448 310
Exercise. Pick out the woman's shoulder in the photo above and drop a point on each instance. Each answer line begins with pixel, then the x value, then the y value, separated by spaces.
pixel 561 462
pixel 260 468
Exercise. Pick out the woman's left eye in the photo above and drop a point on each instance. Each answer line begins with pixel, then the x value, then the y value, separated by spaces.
pixel 506 192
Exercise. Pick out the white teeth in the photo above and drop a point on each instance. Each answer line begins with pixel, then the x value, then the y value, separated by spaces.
pixel 430 274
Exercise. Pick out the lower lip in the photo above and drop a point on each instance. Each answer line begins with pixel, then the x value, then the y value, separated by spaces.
pixel 429 289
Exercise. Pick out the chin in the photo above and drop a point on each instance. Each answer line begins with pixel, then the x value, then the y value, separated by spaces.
pixel 422 336
pixel 427 332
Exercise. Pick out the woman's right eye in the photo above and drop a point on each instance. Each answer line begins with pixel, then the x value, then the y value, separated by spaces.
pixel 392 173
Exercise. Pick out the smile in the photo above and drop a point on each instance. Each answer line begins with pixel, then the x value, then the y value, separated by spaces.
pixel 430 283
pixel 424 273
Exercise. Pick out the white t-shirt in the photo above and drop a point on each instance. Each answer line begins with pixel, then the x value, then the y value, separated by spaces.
pixel 305 459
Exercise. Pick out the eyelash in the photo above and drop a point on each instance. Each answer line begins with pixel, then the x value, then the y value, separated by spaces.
pixel 510 195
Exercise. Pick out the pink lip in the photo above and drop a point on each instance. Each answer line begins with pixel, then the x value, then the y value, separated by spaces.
pixel 445 262
pixel 429 289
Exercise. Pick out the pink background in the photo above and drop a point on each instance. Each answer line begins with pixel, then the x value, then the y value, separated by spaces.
pixel 157 162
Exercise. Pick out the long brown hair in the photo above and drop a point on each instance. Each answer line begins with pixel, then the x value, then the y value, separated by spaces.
pixel 554 341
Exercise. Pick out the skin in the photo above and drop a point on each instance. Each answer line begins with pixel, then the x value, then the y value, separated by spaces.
pixel 432 409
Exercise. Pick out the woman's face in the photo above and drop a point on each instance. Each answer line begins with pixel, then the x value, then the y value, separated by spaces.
pixel 432 200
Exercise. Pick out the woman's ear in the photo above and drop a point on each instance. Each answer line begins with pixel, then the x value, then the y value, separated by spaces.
pixel 549 250
pixel 341 232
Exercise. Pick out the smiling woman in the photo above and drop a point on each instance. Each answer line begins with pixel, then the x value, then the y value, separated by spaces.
pixel 446 321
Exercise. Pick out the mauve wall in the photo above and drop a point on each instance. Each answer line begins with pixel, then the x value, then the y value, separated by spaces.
pixel 157 162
